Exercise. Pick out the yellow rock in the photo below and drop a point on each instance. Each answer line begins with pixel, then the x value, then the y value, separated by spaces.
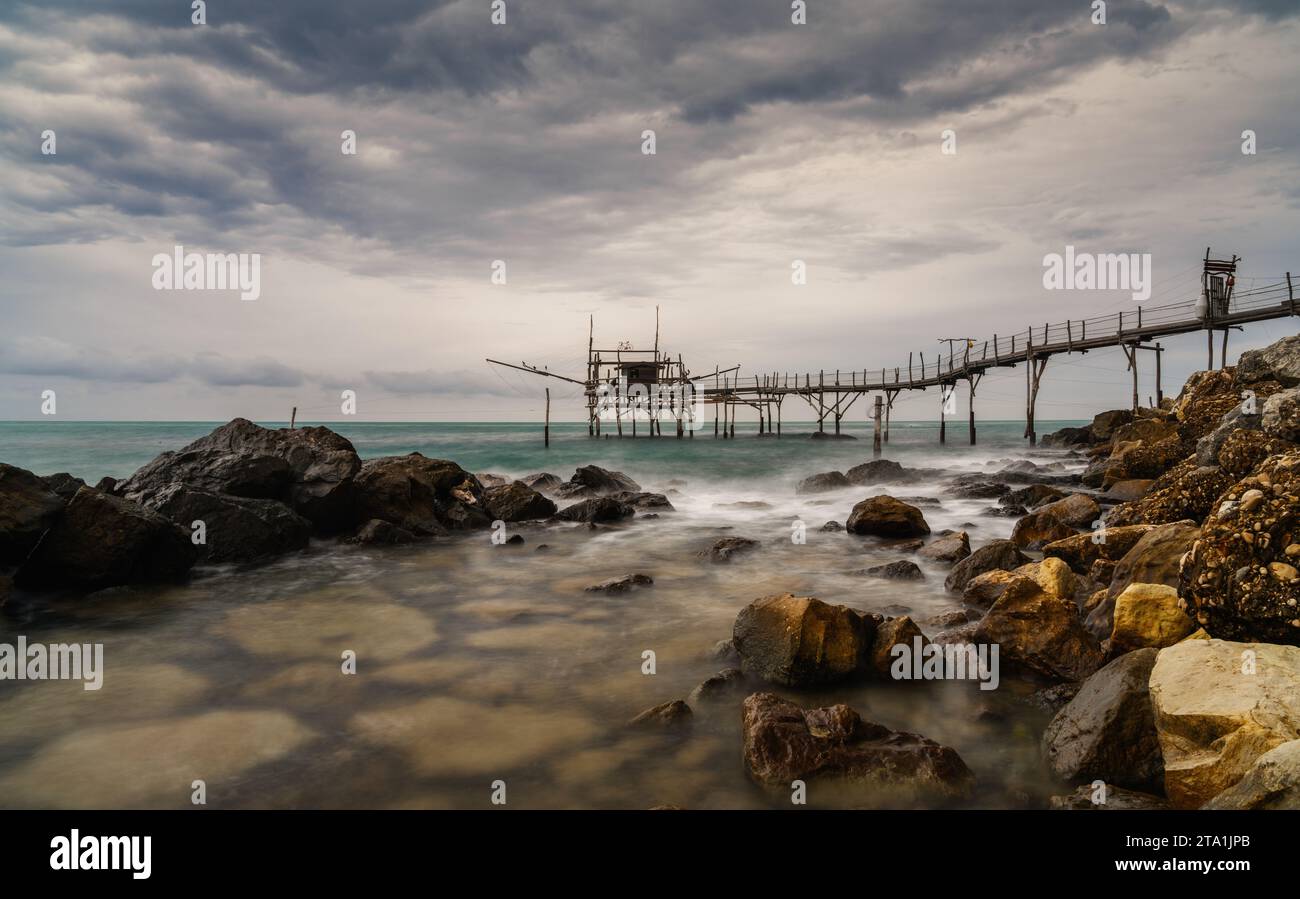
pixel 1148 615
pixel 1053 575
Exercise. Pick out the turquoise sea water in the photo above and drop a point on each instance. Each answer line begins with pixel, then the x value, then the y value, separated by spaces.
pixel 479 662
pixel 91 450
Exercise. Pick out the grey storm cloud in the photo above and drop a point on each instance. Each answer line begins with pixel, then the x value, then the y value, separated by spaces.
pixel 496 124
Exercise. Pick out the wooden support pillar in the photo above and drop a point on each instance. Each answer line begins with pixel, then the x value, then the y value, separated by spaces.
pixel 821 403
pixel 889 406
pixel 943 424
pixel 1160 396
pixel 778 416
pixel 875 439
pixel 1033 376
pixel 546 430
pixel 972 381
pixel 1223 353
pixel 1132 353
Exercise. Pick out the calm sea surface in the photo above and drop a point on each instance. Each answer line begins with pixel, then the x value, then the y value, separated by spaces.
pixel 478 663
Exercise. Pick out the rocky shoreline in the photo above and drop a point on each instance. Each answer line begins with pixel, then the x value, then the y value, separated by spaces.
pixel 1150 600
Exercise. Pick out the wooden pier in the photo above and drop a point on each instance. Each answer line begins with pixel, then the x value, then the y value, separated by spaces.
pixel 1220 308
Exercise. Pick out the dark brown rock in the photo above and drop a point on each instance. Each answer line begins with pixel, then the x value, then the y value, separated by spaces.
pixel 999 554
pixel 820 483
pixel 420 495
pixel 517 502
pixel 235 528
pixel 601 508
pixel 800 640
pixel 947 548
pixel 726 548
pixel 671 715
pixel 884 516
pixel 28 508
pixel 1039 634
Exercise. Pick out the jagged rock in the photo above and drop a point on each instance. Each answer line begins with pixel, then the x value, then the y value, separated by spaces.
pixel 1273 783
pixel 487 479
pixel 820 483
pixel 1113 799
pixel 879 471
pixel 832 527
pixel 1243 451
pixel 1081 551
pixel 602 481
pixel 103 541
pixel 901 570
pixel 947 548
pixel 1214 719
pixel 984 589
pixel 726 548
pixel 642 500
pixel 381 533
pixel 1281 417
pixel 884 516
pixel 891 632
pixel 310 469
pixel 1278 361
pixel 784 743
pixel 1239 578
pixel 1037 529
pixel 1077 511
pixel 28 508
pixel 236 529
pixel 1184 492
pixel 1155 558
pixel 1104 424
pixel 980 489
pixel 999 554
pixel 621 584
pixel 1107 731
pixel 727 683
pixel 420 495
pixel 543 482
pixel 1068 437
pixel 1148 615
pixel 1039 634
pixel 671 715
pixel 1032 496
pixel 800 640
pixel 64 484
pixel 107 485
pixel 1052 575
pixel 1127 491
pixel 600 508
pixel 516 502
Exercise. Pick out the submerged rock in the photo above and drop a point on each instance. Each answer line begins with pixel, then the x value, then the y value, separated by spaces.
pixel 1107 731
pixel 901 570
pixel 784 743
pixel 884 516
pixel 727 683
pixel 601 481
pixel 420 495
pixel 879 471
pixel 643 500
pixel 820 483
pixel 621 584
pixel 800 640
pixel 668 715
pixel 517 502
pixel 725 549
pixel 381 533
pixel 947 548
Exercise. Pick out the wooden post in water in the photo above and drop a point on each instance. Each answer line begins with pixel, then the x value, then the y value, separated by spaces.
pixel 875 438
pixel 293 417
pixel 943 402
pixel 1160 396
pixel 546 431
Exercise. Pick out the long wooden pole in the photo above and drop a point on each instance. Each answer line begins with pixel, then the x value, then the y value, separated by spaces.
pixel 546 431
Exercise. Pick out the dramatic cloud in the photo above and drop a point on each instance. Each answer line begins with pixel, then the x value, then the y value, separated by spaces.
pixel 522 143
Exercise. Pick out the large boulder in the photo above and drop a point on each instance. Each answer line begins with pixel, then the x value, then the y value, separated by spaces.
pixel 311 469
pixel 235 528
pixel 1037 529
pixel 983 590
pixel 1273 783
pixel 884 516
pixel 104 541
pixel 1240 577
pixel 1082 551
pixel 1053 575
pixel 1031 497
pixel 1078 510
pixel 1148 615
pixel 542 481
pixel 28 508
pixel 641 500
pixel 517 502
pixel 784 743
pixel 998 555
pixel 600 481
pixel 800 640
pixel 420 495
pixel 821 483
pixel 1281 416
pixel 1155 558
pixel 65 485
pixel 879 471
pixel 1278 361
pixel 1039 634
pixel 1186 491
pixel 1218 707
pixel 1107 731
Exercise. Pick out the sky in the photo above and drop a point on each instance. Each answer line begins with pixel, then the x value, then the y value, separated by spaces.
pixel 522 143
